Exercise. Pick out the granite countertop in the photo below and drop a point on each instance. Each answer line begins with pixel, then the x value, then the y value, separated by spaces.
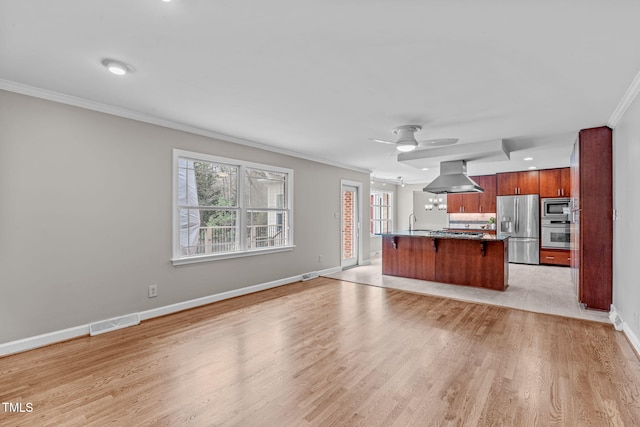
pixel 443 234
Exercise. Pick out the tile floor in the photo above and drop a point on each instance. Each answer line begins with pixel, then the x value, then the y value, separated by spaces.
pixel 538 288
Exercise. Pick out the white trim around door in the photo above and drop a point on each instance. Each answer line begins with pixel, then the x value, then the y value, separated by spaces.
pixel 351 231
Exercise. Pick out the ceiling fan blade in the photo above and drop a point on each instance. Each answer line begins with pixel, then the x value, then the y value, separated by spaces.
pixel 382 141
pixel 438 142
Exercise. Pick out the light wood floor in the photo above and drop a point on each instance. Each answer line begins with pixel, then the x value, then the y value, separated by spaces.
pixel 327 352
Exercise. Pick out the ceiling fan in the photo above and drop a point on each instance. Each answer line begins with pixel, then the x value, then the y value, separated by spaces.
pixel 407 140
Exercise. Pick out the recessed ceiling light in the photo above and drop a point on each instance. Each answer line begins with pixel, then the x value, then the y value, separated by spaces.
pixel 528 159
pixel 116 67
pixel 532 167
pixel 166 1
pixel 425 169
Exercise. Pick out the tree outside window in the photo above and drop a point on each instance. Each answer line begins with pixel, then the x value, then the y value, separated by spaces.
pixel 228 206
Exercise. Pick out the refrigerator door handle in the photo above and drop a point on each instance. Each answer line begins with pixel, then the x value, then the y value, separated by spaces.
pixel 516 205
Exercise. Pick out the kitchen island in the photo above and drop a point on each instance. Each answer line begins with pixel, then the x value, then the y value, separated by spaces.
pixel 470 259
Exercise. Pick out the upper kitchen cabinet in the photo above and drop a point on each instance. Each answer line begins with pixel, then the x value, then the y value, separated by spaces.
pixel 510 183
pixel 486 202
pixel 555 182
pixel 475 202
pixel 455 203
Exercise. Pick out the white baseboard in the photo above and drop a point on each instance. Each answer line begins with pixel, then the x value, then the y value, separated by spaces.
pixel 330 271
pixel 30 343
pixel 633 339
pixel 186 305
pixel 615 318
pixel 626 329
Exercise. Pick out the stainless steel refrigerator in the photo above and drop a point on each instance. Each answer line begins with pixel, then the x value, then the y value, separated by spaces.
pixel 519 218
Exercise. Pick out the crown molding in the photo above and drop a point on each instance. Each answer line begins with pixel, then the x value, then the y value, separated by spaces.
pixel 87 104
pixel 625 102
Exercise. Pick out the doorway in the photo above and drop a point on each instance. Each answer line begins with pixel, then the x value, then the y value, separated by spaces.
pixel 351 224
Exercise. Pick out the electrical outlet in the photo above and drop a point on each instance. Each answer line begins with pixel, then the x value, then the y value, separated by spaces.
pixel 319 258
pixel 153 291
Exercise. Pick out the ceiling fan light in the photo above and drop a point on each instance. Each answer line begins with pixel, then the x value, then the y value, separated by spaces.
pixel 406 148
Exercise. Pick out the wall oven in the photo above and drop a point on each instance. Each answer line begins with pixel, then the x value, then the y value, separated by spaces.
pixel 555 234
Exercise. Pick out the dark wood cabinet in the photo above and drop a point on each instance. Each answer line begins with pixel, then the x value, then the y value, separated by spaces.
pixel 526 182
pixel 486 200
pixel 555 257
pixel 565 182
pixel 592 217
pixel 507 183
pixel 455 203
pixel 475 202
pixel 555 182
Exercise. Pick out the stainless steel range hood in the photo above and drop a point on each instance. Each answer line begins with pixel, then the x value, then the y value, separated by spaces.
pixel 453 179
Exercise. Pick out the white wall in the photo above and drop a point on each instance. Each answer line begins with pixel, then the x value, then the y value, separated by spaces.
pixel 626 231
pixel 405 205
pixel 412 200
pixel 429 220
pixel 85 218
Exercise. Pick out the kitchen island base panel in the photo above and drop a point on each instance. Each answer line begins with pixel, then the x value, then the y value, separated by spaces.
pixel 411 257
pixel 469 262
pixel 461 262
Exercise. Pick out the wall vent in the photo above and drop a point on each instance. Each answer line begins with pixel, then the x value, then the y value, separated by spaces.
pixel 309 276
pixel 616 320
pixel 116 323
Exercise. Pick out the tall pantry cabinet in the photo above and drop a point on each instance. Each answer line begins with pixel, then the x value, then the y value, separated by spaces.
pixel 592 217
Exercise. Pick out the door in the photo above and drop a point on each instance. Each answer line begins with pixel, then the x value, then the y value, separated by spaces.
pixel 471 202
pixel 557 237
pixel 454 203
pixel 506 212
pixel 529 182
pixel 507 183
pixel 527 216
pixel 488 198
pixel 550 185
pixel 565 182
pixel 350 226
pixel 524 250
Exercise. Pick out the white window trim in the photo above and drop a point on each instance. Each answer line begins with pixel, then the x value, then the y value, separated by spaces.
pixel 243 252
pixel 391 206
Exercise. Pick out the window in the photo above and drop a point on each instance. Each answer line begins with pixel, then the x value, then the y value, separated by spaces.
pixel 381 209
pixel 226 208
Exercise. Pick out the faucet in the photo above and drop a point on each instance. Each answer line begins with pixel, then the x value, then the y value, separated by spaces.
pixel 411 222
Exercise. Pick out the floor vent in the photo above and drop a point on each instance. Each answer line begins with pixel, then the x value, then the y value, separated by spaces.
pixel 309 276
pixel 116 323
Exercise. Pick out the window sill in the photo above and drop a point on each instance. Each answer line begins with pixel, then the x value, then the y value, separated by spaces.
pixel 229 255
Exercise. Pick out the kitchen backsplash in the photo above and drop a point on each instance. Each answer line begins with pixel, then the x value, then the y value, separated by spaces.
pixel 470 220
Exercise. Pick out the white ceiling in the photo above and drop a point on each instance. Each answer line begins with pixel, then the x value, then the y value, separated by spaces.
pixel 322 77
